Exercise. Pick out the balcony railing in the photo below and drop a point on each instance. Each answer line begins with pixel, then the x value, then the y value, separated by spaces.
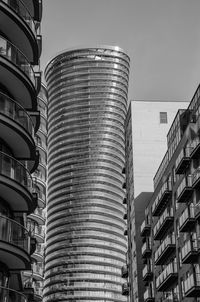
pixel 19 7
pixel 167 277
pixel 195 148
pixel 184 190
pixel 164 222
pixel 9 295
pixel 196 178
pixel 192 286
pixel 147 272
pixel 14 233
pixel 167 247
pixel 189 252
pixel 125 289
pixel 148 295
pixel 146 250
pixel 13 54
pixel 170 297
pixel 183 160
pixel 187 219
pixel 124 271
pixel 14 169
pixel 162 198
pixel 145 229
pixel 16 112
pixel 37 269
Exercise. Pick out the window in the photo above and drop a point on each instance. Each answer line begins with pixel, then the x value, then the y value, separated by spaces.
pixel 163 117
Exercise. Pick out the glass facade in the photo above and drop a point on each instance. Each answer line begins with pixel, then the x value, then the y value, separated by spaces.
pixel 85 245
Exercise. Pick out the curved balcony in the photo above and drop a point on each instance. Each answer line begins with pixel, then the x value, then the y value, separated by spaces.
pixel 16 185
pixel 17 126
pixel 38 255
pixel 18 25
pixel 38 216
pixel 9 295
pixel 17 75
pixel 14 244
pixel 36 273
pixel 39 234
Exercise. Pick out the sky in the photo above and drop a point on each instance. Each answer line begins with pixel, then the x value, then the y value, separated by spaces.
pixel 162 38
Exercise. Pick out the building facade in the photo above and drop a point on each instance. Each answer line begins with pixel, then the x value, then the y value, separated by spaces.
pixel 147 124
pixel 20 78
pixel 86 244
pixel 171 227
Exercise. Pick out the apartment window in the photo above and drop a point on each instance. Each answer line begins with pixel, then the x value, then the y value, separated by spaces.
pixel 163 117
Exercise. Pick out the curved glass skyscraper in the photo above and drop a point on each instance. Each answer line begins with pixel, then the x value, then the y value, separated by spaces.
pixel 86 246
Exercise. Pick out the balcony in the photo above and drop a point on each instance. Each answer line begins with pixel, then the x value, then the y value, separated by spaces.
pixel 195 145
pixel 125 289
pixel 167 277
pixel 19 26
pixel 14 244
pixel 163 224
pixel 183 161
pixel 147 273
pixel 38 255
pixel 146 250
pixel 39 234
pixel 148 295
pixel 189 252
pixel 163 196
pixel 167 247
pixel 170 297
pixel 192 286
pixel 17 74
pixel 196 179
pixel 184 190
pixel 38 216
pixel 187 220
pixel 197 211
pixel 17 126
pixel 124 271
pixel 145 229
pixel 16 185
pixel 10 295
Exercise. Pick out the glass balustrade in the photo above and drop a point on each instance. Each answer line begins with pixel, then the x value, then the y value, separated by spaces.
pixel 169 240
pixel 14 233
pixel 13 54
pixel 19 7
pixel 188 213
pixel 16 112
pixel 167 213
pixel 10 295
pixel 170 269
pixel 15 170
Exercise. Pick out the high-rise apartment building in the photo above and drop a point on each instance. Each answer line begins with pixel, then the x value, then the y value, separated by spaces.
pixel 171 227
pixel 86 244
pixel 20 49
pixel 147 124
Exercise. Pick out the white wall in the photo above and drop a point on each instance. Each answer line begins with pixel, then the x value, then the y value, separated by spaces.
pixel 150 139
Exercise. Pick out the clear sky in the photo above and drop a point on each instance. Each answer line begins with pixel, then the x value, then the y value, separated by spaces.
pixel 162 38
